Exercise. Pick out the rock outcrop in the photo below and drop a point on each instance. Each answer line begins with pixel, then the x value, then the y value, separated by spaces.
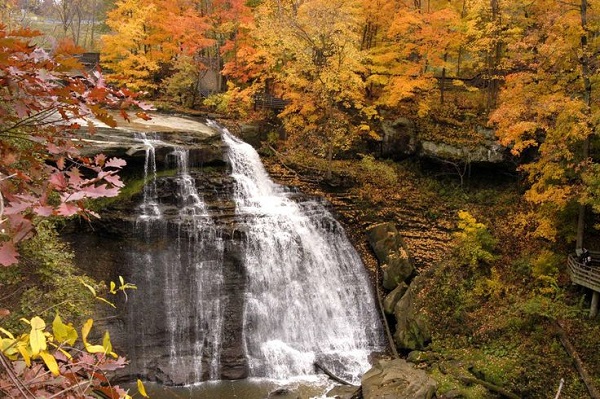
pixel 392 253
pixel 397 379
pixel 400 139
pixel 411 330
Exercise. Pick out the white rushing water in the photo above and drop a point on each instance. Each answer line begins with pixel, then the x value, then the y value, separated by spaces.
pixel 285 263
pixel 182 264
pixel 308 296
pixel 149 206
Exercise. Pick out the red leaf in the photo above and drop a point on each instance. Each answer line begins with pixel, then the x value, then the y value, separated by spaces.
pixel 18 205
pixel 43 210
pixel 115 163
pixel 21 109
pixel 74 196
pixel 110 392
pixel 66 209
pixel 100 191
pixel 74 177
pixel 114 180
pixel 8 254
pixel 21 226
pixel 100 159
pixel 58 180
pixel 60 163
pixel 53 148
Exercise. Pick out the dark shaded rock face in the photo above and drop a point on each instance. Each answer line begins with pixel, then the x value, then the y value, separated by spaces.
pixel 173 331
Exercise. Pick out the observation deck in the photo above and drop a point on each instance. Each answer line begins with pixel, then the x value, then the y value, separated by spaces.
pixel 586 275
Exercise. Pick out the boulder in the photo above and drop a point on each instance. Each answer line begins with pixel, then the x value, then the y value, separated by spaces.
pixel 391 299
pixel 397 379
pixel 412 332
pixel 392 253
pixel 252 133
pixel 397 269
pixel 344 392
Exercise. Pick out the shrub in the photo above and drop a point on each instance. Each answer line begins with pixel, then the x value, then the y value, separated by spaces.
pixel 475 244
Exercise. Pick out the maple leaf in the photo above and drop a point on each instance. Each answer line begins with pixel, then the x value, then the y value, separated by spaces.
pixel 58 180
pixel 115 180
pixel 43 210
pixel 8 254
pixel 67 209
pixel 100 159
pixel 116 163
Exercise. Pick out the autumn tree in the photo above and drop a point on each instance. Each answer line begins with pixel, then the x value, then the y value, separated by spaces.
pixel 547 108
pixel 309 51
pixel 41 174
pixel 414 50
pixel 127 49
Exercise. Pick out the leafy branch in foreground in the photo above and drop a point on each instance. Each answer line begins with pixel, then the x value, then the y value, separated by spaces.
pixel 45 100
pixel 58 363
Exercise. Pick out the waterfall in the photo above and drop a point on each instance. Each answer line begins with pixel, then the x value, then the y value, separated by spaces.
pixel 179 270
pixel 149 206
pixel 238 276
pixel 308 296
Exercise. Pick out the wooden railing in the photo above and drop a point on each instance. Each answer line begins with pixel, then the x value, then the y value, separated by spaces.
pixel 585 275
pixel 269 101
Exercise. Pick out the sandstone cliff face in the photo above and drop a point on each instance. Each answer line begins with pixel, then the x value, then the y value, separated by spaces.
pixel 122 244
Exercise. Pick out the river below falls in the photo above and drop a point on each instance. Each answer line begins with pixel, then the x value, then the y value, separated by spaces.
pixel 240 389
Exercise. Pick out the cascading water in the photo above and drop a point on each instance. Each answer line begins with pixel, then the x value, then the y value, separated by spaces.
pixel 149 206
pixel 307 295
pixel 257 281
pixel 179 269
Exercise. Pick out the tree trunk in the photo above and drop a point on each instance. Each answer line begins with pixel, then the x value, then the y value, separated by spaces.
pixel 443 80
pixel 584 61
pixel 329 160
pixel 585 376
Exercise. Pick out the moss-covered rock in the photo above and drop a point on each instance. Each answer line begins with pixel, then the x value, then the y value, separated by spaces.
pixel 412 331
pixel 391 299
